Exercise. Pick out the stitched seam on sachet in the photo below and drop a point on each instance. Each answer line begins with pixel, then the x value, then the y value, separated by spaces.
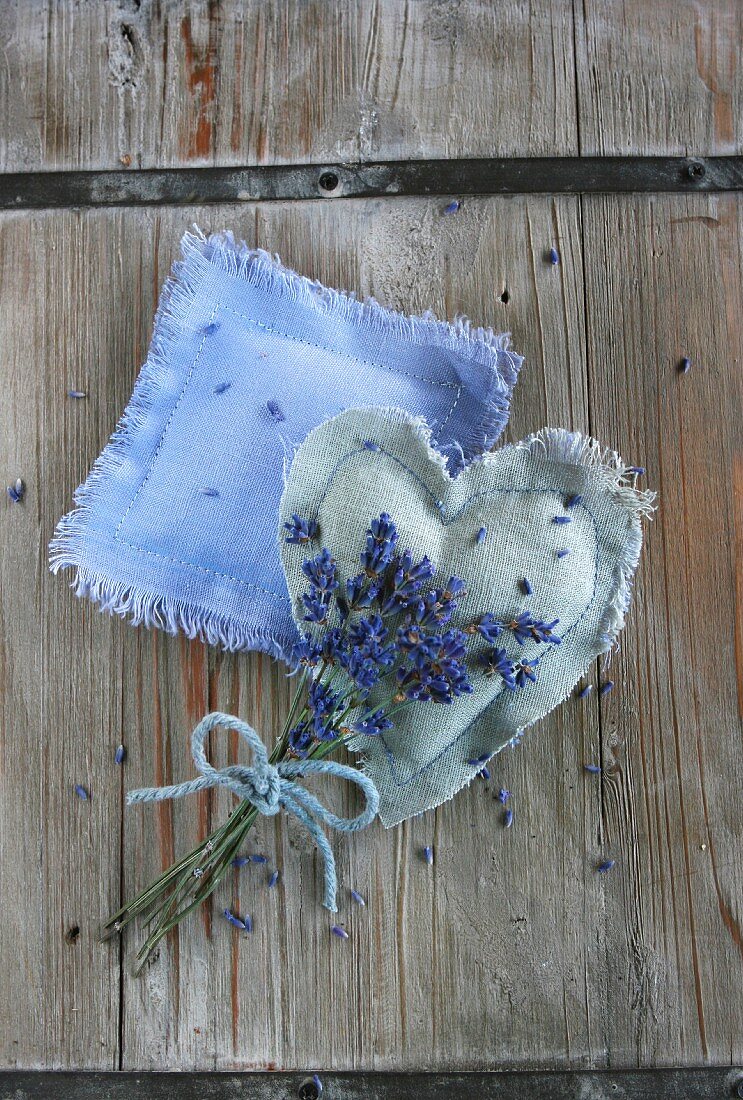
pixel 161 443
pixel 445 523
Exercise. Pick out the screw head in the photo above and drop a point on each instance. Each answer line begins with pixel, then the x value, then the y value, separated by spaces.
pixel 329 181
pixel 696 170
pixel 308 1090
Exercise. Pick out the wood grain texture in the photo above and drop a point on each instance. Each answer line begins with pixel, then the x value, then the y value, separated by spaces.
pixel 660 77
pixel 165 84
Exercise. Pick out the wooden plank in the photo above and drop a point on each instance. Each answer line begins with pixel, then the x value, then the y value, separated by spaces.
pixel 660 77
pixel 230 83
pixel 663 281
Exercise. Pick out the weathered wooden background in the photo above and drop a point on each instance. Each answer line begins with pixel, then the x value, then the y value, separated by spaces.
pixel 511 951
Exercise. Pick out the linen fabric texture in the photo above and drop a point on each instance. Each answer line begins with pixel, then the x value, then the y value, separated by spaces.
pixel 175 526
pixel 341 482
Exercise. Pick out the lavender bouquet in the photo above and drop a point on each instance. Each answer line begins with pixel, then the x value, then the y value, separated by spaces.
pixel 380 642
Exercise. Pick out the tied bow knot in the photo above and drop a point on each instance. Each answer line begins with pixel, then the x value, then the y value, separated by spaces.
pixel 271 787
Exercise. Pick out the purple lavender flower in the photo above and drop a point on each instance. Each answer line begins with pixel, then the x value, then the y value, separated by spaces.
pixel 524 671
pixel 359 594
pixel 300 739
pixel 407 581
pixel 372 724
pixel 322 702
pixel 305 653
pixel 488 626
pixel 381 539
pixel 300 530
pixel 320 571
pixel 498 663
pixel 542 631
pixel 316 605
pixel 521 626
pixel 503 795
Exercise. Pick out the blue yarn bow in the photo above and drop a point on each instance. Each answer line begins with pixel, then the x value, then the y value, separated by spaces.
pixel 269 787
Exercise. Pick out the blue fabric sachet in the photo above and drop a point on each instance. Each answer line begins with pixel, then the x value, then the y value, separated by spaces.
pixel 176 524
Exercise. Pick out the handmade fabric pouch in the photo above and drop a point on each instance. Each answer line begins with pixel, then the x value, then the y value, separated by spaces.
pixel 546 536
pixel 175 526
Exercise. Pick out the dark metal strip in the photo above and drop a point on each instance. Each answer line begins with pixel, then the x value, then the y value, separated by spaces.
pixel 453 178
pixel 651 1084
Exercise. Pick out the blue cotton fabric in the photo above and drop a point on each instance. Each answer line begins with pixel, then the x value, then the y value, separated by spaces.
pixel 175 526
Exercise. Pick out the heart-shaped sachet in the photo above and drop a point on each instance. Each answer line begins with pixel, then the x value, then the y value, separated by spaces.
pixel 548 529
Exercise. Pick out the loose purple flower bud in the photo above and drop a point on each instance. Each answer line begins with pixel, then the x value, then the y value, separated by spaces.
pixel 235 921
pixel 483 759
pixel 526 587
pixel 240 861
pixel 484 773
pixel 340 932
pixel 78 395
pixel 585 691
pixel 81 792
pixel 554 256
pixel 357 897
pixel 275 411
pixel 503 795
pixel 317 1083
pixel 562 519
pixel 607 687
pixel 15 492
pixel 428 855
pixel 370 445
pixel 452 207
pixel 637 470
pixel 259 859
pixel 605 866
pixel 120 755
pixel 221 387
pixel 508 819
pixel 562 554
pixel 594 769
pixel 273 879
pixel 248 922
pixel 684 365
pixel 573 500
pixel 481 535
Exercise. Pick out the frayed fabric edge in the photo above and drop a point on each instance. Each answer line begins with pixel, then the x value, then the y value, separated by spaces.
pixel 266 271
pixel 142 608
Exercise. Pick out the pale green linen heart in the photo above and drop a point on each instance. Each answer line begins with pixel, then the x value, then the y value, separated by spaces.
pixel 367 461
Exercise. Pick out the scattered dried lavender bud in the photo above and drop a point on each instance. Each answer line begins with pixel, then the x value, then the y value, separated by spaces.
pixel 210 329
pixel 605 866
pixel 208 492
pixel 607 687
pixel 276 411
pixel 484 773
pixel 562 519
pixel 594 769
pixel 273 879
pixel 15 492
pixel 235 921
pixel 340 932
pixel 357 897
pixel 562 554
pixel 221 387
pixel 317 1083
pixel 483 759
pixel 120 756
pixel 428 855
pixel 503 795
pixel 370 445
pixel 554 256
pixel 481 535
pixel 574 500
pixel 508 819
pixel 78 395
pixel 526 587
pixel 81 792
pixel 248 922
pixel 685 365
pixel 584 691
pixel 258 859
pixel 452 207
pixel 240 861
pixel 638 471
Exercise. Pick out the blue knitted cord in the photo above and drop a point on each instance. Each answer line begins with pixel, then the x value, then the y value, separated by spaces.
pixel 269 787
